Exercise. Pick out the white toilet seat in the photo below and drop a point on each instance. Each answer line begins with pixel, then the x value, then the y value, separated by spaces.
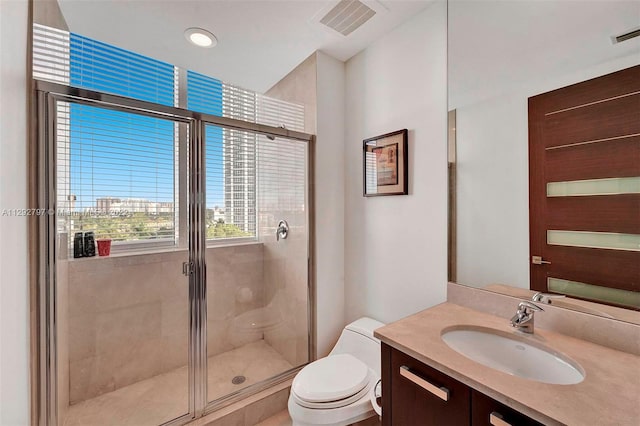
pixel 330 380
pixel 337 403
pixel 359 408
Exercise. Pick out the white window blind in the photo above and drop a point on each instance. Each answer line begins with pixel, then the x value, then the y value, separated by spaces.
pixel 51 63
pixel 136 175
pixel 277 113
pixel 231 155
pixel 282 184
pixel 50 54
pixel 122 165
pixel 116 172
pixel 121 168
pixel 105 68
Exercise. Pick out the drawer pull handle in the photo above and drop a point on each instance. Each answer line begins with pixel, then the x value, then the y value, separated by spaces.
pixel 495 419
pixel 440 392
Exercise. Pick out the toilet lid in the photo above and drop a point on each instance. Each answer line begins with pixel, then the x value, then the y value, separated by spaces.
pixel 331 378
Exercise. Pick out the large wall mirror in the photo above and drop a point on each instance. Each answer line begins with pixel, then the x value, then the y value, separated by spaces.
pixel 501 54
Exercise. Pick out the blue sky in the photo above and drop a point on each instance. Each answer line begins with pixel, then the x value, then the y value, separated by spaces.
pixel 126 155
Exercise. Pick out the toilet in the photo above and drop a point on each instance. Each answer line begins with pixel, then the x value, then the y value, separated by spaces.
pixel 336 390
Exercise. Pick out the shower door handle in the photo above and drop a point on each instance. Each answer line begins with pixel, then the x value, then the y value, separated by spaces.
pixel 187 268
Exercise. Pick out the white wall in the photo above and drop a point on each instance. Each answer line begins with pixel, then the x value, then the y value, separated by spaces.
pixel 493 177
pixel 329 208
pixel 14 314
pixel 396 247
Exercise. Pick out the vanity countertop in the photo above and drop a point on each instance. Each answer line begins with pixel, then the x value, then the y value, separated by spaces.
pixel 609 394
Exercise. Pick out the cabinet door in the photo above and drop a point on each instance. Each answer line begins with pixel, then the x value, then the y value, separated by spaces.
pixel 485 411
pixel 421 395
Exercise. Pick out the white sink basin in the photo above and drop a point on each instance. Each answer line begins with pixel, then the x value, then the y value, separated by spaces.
pixel 510 354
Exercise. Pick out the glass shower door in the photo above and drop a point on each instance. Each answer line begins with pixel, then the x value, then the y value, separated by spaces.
pixel 122 299
pixel 257 281
pixel 181 252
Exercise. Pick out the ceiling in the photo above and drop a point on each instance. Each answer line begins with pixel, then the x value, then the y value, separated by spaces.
pixel 496 46
pixel 259 42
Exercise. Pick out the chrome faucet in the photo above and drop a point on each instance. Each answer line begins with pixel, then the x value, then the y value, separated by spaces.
pixel 546 298
pixel 523 319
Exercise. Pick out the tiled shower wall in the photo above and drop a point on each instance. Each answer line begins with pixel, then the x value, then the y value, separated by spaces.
pixel 128 316
pixel 285 267
pixel 282 195
pixel 235 285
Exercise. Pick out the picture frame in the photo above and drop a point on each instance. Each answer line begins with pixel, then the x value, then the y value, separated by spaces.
pixel 385 164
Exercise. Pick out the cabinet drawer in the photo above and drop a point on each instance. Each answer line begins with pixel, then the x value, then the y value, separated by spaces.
pixel 486 411
pixel 421 395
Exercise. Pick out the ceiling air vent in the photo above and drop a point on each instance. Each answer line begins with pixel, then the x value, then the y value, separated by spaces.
pixel 626 36
pixel 347 16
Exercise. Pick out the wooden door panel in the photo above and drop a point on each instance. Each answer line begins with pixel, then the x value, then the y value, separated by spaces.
pixel 607 268
pixel 576 114
pixel 582 162
pixel 605 87
pixel 601 213
pixel 608 119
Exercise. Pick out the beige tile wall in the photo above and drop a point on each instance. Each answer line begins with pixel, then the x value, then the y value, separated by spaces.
pixel 128 316
pixel 286 287
pixel 282 196
pixel 234 286
pixel 300 86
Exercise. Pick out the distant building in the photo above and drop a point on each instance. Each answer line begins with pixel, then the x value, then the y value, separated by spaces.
pixel 218 214
pixel 239 159
pixel 106 203
pixel 133 205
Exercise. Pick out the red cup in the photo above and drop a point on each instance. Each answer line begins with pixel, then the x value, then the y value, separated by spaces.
pixel 104 247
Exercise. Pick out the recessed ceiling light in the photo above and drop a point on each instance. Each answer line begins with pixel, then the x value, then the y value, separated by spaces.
pixel 200 37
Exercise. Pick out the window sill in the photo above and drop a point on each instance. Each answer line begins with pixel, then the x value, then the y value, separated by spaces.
pixel 162 250
pixel 227 242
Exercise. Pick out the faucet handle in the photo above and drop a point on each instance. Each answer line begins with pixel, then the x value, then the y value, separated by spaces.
pixel 282 231
pixel 523 319
pixel 546 297
pixel 525 306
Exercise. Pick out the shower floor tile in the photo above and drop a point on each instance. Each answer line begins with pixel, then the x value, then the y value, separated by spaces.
pixel 161 398
pixel 255 362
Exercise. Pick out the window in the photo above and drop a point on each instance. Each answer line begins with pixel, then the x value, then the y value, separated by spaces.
pixel 229 159
pixel 121 175
pixel 118 173
pixel 120 166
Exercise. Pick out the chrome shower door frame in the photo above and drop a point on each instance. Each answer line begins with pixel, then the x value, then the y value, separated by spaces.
pixel 43 238
pixel 204 120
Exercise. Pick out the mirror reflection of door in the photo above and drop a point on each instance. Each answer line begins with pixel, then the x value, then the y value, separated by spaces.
pixel 584 189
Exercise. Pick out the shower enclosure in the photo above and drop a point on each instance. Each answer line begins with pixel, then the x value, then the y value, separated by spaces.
pixel 201 300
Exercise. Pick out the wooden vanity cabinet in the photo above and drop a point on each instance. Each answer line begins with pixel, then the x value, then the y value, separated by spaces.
pixel 414 394
pixel 486 411
pixel 403 390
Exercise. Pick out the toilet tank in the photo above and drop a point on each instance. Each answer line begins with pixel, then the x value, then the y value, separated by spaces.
pixel 357 339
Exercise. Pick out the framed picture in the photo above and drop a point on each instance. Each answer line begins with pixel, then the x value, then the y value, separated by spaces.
pixel 385 164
